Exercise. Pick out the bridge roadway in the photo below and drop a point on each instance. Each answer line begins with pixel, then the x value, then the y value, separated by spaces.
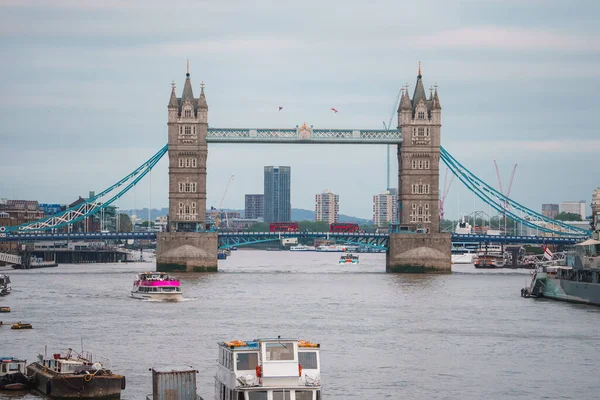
pixel 231 239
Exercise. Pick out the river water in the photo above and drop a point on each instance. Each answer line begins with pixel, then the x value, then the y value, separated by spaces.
pixel 468 335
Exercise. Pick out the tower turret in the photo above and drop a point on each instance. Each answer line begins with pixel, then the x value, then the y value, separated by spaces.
pixel 202 106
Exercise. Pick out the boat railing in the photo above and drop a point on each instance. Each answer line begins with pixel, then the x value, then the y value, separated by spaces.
pixel 150 396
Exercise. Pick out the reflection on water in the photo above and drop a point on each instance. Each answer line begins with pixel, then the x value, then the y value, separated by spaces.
pixel 468 335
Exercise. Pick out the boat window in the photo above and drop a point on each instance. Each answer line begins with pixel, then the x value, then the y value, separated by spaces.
pixel 240 396
pixel 280 351
pixel 281 394
pixel 247 361
pixel 304 395
pixel 308 359
pixel 14 367
pixel 318 395
pixel 3 367
pixel 258 395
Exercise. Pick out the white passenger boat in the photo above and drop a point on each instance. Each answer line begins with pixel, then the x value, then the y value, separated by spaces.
pixel 268 369
pixel 302 248
pixel 348 259
pixel 156 286
pixel 463 255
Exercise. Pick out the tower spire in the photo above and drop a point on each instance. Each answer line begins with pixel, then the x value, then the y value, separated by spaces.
pixel 202 100
pixel 173 103
pixel 419 75
pixel 187 68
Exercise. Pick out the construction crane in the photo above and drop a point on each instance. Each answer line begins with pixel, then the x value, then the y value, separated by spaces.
pixel 217 212
pixel 445 192
pixel 507 194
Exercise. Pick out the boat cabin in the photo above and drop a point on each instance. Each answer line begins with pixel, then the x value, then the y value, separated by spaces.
pixel 11 365
pixel 69 365
pixel 155 276
pixel 268 369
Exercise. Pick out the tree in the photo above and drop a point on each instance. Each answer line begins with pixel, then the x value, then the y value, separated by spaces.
pixel 145 224
pixel 565 216
pixel 125 224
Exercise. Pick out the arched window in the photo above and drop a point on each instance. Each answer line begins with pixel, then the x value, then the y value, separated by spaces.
pixel 193 187
pixel 187 187
pixel 426 164
pixel 193 163
pixel 193 207
pixel 188 113
pixel 421 115
pixel 414 132
pixel 187 162
pixel 414 164
pixel 421 131
pixel 427 132
pixel 187 209
pixel 180 129
pixel 420 164
pixel 181 162
pixel 180 187
pixel 188 130
pixel 194 130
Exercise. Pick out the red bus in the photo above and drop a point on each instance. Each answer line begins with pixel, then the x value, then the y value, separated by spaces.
pixel 343 227
pixel 283 227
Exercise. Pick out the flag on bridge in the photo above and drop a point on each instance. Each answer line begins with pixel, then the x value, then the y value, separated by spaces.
pixel 547 253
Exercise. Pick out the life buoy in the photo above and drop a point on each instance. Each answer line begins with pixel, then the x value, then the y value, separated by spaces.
pixel 258 371
pixel 299 370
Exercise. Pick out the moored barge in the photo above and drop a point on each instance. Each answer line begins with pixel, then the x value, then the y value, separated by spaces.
pixel 74 376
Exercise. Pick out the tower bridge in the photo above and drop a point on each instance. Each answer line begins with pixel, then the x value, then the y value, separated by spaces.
pixel 189 243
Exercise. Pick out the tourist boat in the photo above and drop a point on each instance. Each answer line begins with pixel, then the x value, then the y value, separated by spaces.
pixel 349 259
pixel 4 309
pixel 463 227
pixel 12 374
pixel 261 369
pixel 74 375
pixel 222 255
pixel 302 248
pixel 491 256
pixel 463 255
pixel 5 287
pixel 332 248
pixel 156 286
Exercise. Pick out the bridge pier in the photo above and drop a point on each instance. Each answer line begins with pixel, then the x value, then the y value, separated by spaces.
pixel 419 253
pixel 186 252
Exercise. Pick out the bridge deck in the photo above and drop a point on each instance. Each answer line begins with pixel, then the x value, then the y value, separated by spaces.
pixel 304 135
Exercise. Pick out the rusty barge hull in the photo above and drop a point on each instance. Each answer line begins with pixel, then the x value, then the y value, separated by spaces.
pixel 70 386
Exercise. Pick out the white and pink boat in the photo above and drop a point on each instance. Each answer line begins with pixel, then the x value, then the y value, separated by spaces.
pixel 156 286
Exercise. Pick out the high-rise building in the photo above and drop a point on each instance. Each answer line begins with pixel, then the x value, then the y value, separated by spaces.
pixel 385 208
pixel 327 207
pixel 255 206
pixel 419 158
pixel 550 210
pixel 188 127
pixel 574 207
pixel 278 207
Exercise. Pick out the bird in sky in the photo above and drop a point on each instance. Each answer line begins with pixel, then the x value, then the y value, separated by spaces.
pixel 334 110
pixel 280 108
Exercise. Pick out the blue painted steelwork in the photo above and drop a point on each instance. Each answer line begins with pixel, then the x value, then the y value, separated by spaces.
pixel 505 205
pixel 303 134
pixel 236 239
pixel 459 238
pixel 93 205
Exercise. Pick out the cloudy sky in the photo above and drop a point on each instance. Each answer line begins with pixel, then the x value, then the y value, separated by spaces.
pixel 85 85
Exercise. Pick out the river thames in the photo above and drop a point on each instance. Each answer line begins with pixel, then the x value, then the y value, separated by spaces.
pixel 468 335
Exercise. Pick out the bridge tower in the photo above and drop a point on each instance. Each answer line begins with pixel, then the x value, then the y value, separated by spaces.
pixel 186 246
pixel 418 186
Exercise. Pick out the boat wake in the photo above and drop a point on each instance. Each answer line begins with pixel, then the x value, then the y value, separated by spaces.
pixel 168 301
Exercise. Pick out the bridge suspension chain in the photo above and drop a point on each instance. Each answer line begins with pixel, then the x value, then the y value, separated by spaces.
pixel 503 204
pixel 94 204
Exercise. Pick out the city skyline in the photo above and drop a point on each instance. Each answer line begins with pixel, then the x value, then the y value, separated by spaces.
pixel 67 130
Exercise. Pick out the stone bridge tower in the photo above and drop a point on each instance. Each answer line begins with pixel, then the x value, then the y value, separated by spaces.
pixel 187 127
pixel 418 186
pixel 419 158
pixel 187 246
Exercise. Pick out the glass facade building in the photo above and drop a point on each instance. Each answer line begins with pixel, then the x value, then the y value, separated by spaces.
pixel 278 207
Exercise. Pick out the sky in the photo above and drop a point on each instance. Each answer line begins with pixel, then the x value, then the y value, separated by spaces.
pixel 85 87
